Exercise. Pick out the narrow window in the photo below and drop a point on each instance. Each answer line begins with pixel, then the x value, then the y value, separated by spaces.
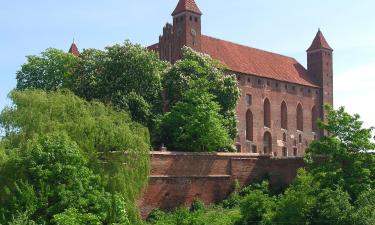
pixel 267 113
pixel 299 117
pixel 284 137
pixel 249 125
pixel 300 139
pixel 285 152
pixel 254 149
pixel 249 100
pixel 295 151
pixel 314 119
pixel 284 116
pixel 267 143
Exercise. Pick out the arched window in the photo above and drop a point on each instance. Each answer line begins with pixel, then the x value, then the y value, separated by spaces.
pixel 285 152
pixel 314 119
pixel 299 117
pixel 267 143
pixel 249 125
pixel 284 137
pixel 267 113
pixel 284 116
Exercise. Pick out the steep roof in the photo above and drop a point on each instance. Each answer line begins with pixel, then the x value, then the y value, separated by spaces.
pixel 257 62
pixel 319 42
pixel 74 49
pixel 186 5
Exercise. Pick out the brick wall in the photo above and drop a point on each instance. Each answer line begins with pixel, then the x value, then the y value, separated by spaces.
pixel 176 179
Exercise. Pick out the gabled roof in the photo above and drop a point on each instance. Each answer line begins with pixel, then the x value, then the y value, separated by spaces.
pixel 186 5
pixel 74 49
pixel 319 42
pixel 247 60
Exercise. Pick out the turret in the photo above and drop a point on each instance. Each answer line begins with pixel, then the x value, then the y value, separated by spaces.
pixel 320 68
pixel 74 49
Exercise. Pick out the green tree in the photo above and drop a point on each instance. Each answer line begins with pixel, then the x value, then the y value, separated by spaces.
pixel 49 175
pixel 342 158
pixel 195 124
pixel 126 76
pixel 52 70
pixel 194 66
pixel 99 131
pixel 365 208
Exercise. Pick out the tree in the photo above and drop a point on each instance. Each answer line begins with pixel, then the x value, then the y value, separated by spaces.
pixel 126 76
pixel 50 175
pixel 195 124
pixel 195 66
pixel 365 204
pixel 52 70
pixel 101 133
pixel 342 158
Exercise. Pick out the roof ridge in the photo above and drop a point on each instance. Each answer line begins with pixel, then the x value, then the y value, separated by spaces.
pixel 257 49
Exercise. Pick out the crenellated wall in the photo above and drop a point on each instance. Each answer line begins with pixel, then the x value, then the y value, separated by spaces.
pixel 176 179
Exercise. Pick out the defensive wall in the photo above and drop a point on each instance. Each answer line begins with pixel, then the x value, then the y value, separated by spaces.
pixel 177 178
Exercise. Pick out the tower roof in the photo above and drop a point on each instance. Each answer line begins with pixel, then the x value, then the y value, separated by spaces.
pixel 186 5
pixel 74 49
pixel 319 42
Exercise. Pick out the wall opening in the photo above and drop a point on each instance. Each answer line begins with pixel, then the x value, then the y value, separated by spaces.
pixel 267 143
pixel 299 117
pixel 267 113
pixel 249 125
pixel 284 116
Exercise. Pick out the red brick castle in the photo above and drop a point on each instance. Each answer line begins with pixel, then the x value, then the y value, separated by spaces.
pixel 281 100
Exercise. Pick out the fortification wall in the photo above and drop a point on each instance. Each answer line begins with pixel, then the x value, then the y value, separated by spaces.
pixel 176 179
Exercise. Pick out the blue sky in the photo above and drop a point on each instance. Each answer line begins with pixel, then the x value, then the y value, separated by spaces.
pixel 286 27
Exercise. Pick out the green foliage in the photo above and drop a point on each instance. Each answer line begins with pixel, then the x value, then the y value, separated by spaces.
pixel 50 174
pixel 195 124
pixel 52 70
pixel 98 131
pixel 341 158
pixel 197 205
pixel 127 76
pixel 196 70
pixel 365 208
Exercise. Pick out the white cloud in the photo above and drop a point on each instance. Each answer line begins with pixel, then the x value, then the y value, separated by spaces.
pixel 355 89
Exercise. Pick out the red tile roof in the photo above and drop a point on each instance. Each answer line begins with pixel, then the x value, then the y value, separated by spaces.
pixel 186 5
pixel 74 49
pixel 319 42
pixel 257 62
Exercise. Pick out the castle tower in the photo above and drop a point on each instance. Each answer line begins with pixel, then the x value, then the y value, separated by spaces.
pixel 186 27
pixel 74 49
pixel 320 67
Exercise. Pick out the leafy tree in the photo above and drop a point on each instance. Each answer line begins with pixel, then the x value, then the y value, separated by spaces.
pixel 365 208
pixel 194 66
pixel 341 158
pixel 50 174
pixel 52 70
pixel 98 131
pixel 126 76
pixel 195 124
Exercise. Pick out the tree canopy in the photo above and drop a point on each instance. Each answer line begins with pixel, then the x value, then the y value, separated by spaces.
pixel 98 131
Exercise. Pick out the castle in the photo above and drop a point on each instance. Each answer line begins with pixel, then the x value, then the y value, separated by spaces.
pixel 281 100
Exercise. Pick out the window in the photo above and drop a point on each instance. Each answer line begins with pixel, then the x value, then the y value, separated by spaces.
pixel 254 149
pixel 314 119
pixel 268 83
pixel 259 81
pixel 267 113
pixel 196 19
pixel 249 100
pixel 284 116
pixel 300 138
pixel 248 80
pixel 284 137
pixel 295 151
pixel 294 143
pixel 191 18
pixel 267 143
pixel 299 117
pixel 285 152
pixel 249 125
pixel 277 84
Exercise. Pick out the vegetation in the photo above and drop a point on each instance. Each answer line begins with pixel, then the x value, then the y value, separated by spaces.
pixel 336 188
pixel 58 160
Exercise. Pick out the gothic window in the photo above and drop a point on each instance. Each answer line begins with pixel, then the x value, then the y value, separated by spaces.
pixel 295 151
pixel 284 116
pixel 254 149
pixel 314 119
pixel 285 152
pixel 284 137
pixel 300 138
pixel 249 100
pixel 267 143
pixel 267 113
pixel 299 117
pixel 249 125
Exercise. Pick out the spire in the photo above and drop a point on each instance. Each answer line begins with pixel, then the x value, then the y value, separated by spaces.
pixel 319 42
pixel 186 5
pixel 74 49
